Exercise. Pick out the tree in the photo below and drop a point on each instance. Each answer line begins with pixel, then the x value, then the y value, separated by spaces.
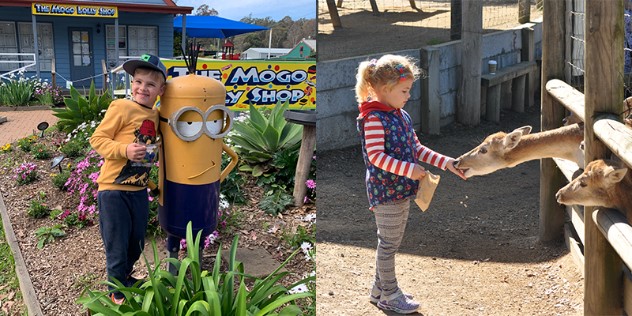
pixel 206 10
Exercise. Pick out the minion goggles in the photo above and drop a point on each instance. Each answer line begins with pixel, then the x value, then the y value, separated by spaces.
pixel 188 130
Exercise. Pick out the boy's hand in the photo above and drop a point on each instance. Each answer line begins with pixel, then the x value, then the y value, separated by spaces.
pixel 456 171
pixel 418 172
pixel 136 152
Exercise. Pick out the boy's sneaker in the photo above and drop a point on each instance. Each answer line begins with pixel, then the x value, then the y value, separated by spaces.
pixel 117 301
pixel 400 304
pixel 376 293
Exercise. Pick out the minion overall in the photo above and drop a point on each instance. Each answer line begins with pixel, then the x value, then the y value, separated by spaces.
pixel 193 121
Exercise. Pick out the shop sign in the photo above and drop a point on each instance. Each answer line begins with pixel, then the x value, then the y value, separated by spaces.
pixel 58 9
pixel 262 83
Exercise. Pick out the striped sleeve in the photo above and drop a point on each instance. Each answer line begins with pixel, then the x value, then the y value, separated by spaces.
pixel 427 155
pixel 374 140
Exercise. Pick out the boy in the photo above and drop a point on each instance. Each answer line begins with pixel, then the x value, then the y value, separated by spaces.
pixel 121 139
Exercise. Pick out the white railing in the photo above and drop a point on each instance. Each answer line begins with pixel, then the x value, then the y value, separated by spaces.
pixel 28 63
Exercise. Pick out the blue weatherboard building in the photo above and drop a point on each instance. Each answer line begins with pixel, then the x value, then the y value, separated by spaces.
pixel 81 40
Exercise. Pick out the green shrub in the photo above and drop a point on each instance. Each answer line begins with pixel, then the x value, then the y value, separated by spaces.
pixel 80 109
pixel 74 148
pixel 17 91
pixel 295 239
pixel 262 135
pixel 26 143
pixel 41 152
pixel 46 235
pixel 275 200
pixel 37 209
pixel 197 292
pixel 59 180
pixel 232 185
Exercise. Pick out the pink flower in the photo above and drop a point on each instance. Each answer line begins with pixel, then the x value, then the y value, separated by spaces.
pixel 311 184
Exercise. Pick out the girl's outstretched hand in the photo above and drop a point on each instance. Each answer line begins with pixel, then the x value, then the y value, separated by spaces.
pixel 456 171
pixel 418 172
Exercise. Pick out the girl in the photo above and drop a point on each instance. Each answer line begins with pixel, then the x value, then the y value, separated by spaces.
pixel 391 150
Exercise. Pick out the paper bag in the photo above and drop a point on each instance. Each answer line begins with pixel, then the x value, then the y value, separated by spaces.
pixel 427 186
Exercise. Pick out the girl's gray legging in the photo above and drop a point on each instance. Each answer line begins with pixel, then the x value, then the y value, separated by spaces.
pixel 391 221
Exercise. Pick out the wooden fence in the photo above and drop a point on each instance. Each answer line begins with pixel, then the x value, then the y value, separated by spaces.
pixel 605 234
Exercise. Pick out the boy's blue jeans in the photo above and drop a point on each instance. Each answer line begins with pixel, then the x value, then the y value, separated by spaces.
pixel 123 222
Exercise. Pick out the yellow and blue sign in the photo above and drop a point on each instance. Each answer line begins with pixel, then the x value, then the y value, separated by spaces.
pixel 260 82
pixel 58 9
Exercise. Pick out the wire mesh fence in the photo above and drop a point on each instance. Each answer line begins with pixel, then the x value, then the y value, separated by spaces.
pixel 576 43
pixel 437 20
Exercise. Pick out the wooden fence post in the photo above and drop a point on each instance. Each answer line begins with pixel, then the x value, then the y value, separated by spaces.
pixel 456 22
pixel 333 13
pixel 468 111
pixel 551 179
pixel 524 11
pixel 527 53
pixel 603 93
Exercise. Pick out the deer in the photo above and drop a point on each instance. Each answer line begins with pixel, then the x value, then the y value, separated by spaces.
pixel 605 183
pixel 506 150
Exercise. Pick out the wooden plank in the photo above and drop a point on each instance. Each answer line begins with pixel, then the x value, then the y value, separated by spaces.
pixel 616 135
pixel 627 293
pixel 505 94
pixel 508 73
pixel 567 167
pixel 551 219
pixel 617 231
pixel 603 92
pixel 430 95
pixel 574 248
pixel 576 214
pixel 26 286
pixel 571 98
pixel 527 53
pixel 518 88
pixel 468 106
pixel 492 112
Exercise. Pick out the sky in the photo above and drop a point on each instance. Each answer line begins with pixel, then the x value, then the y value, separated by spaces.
pixel 276 9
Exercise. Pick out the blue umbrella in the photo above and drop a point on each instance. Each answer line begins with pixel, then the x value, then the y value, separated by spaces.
pixel 209 26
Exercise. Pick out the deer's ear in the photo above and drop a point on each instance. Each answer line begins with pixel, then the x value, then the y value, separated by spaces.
pixel 524 130
pixel 512 139
pixel 615 175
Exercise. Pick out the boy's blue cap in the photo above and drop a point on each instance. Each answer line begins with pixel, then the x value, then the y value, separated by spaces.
pixel 145 61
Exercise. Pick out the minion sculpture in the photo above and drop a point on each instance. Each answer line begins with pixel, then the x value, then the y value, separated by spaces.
pixel 193 122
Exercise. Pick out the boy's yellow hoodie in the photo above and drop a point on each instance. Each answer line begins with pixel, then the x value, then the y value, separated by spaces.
pixel 125 122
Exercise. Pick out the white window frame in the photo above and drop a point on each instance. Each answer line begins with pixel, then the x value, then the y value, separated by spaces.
pixel 45 42
pixel 10 48
pixel 110 45
pixel 140 40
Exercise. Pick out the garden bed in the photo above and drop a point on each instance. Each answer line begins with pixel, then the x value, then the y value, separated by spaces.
pixel 62 269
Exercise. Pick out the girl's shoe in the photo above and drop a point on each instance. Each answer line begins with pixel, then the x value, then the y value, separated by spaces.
pixel 400 304
pixel 376 292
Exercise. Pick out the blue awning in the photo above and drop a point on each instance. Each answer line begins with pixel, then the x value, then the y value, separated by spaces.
pixel 203 26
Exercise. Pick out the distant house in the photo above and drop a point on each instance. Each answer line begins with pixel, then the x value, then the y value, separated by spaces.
pixel 263 53
pixel 304 50
pixel 76 38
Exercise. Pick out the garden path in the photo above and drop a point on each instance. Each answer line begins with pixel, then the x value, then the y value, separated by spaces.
pixel 21 123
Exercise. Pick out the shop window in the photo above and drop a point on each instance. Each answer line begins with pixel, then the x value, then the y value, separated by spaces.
pixel 44 43
pixel 143 40
pixel 8 44
pixel 110 40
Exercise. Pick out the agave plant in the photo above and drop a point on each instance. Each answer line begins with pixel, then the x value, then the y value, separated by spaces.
pixel 80 109
pixel 261 137
pixel 204 292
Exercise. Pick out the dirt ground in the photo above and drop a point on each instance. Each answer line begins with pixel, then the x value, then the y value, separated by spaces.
pixel 474 252
pixel 63 269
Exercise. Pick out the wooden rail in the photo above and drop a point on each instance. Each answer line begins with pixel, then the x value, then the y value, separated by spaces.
pixel 611 223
